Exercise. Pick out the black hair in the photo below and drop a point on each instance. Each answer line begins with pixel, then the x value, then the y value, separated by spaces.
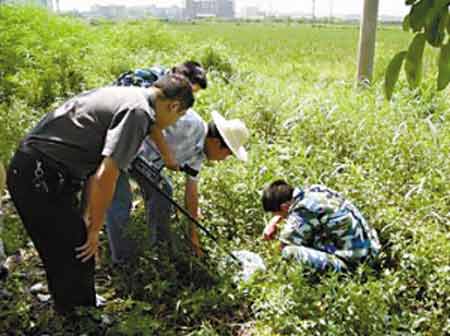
pixel 277 193
pixel 177 87
pixel 213 132
pixel 193 71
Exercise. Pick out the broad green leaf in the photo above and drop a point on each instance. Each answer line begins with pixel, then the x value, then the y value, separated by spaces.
pixel 444 67
pixel 441 3
pixel 392 73
pixel 438 8
pixel 414 61
pixel 448 27
pixel 406 24
pixel 435 30
pixel 418 14
pixel 444 19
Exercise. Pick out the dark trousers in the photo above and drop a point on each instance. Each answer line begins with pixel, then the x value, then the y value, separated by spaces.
pixel 44 197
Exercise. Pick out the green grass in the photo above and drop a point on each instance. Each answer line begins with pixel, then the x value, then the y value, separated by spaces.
pixel 293 84
pixel 282 50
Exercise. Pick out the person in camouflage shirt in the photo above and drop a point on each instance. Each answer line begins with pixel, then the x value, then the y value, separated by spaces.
pixel 322 229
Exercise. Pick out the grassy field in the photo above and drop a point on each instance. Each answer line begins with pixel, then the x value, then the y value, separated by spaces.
pixel 278 49
pixel 293 84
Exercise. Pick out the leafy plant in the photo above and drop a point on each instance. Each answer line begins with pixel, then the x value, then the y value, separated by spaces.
pixel 429 21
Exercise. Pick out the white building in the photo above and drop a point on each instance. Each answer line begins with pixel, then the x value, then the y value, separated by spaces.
pixel 209 8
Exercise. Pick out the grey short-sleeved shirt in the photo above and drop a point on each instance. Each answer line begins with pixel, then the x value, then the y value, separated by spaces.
pixel 110 121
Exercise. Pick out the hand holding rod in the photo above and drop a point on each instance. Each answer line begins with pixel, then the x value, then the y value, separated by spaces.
pixel 141 168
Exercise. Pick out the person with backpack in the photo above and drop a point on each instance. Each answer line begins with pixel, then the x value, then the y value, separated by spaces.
pixel 322 229
pixel 84 144
pixel 192 141
pixel 146 77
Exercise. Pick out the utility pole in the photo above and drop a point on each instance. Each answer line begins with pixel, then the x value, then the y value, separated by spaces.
pixel 313 10
pixel 367 41
pixel 331 10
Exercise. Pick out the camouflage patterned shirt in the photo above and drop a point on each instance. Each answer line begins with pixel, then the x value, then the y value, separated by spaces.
pixel 322 219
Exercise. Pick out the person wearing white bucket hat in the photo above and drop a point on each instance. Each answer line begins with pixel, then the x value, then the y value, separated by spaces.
pixel 192 141
pixel 234 133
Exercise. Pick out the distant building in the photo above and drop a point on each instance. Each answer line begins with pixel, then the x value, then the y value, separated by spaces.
pixel 209 8
pixel 253 13
pixel 108 11
pixel 138 12
pixel 171 13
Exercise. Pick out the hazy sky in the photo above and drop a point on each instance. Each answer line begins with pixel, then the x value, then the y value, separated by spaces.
pixel 387 7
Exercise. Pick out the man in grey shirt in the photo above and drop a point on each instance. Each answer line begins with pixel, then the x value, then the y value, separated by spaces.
pixel 89 139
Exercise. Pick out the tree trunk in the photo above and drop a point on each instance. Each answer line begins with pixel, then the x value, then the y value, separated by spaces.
pixel 367 39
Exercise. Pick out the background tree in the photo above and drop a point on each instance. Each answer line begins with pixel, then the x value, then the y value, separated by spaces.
pixel 429 21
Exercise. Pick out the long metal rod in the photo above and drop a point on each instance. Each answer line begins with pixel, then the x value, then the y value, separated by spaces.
pixel 188 215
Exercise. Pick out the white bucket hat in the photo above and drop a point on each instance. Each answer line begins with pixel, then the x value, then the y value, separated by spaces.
pixel 234 133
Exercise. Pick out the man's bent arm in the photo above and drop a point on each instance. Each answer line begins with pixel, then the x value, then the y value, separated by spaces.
pixel 158 138
pixel 100 194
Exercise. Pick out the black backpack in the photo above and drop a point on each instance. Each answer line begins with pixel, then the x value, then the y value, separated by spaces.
pixel 140 77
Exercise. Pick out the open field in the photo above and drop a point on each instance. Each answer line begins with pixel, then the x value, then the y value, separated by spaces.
pixel 293 84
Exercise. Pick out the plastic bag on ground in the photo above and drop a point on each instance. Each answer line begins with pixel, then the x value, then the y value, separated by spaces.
pixel 250 263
